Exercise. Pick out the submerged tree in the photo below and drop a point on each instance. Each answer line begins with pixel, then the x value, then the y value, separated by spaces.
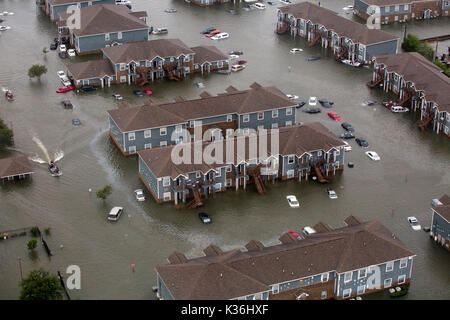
pixel 44 51
pixel 37 70
pixel 6 136
pixel 104 192
pixel 32 244
pixel 40 285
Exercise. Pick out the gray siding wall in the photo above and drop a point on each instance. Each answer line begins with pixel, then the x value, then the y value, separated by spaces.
pixel 115 131
pixel 148 176
pixel 440 226
pixel 401 10
pixel 97 42
pixel 155 139
pixel 163 291
pixel 381 48
pixel 267 122
pixel 63 8
pixel 360 5
pixel 355 282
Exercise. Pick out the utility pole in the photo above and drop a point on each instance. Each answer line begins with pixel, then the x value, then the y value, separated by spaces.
pixel 435 51
pixel 20 268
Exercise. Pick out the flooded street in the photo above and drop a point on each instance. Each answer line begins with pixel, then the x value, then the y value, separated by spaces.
pixel 414 166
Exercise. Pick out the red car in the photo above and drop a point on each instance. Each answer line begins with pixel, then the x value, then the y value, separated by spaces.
pixel 213 33
pixel 65 89
pixel 148 92
pixel 295 234
pixel 335 116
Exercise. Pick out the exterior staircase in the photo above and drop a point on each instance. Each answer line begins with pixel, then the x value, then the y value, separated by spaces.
pixel 321 176
pixel 197 201
pixel 423 124
pixel 315 40
pixel 255 173
pixel 143 79
pixel 372 84
pixel 281 29
pixel 171 71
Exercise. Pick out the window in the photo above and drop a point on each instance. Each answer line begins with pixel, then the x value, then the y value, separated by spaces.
pixel 362 273
pixel 274 113
pixel 178 128
pixel 288 123
pixel 290 174
pixel 147 134
pixel 401 279
pixel 131 136
pixel 323 295
pixel 166 181
pixel 229 168
pixel 406 6
pixel 396 7
pixel 319 153
pixel 274 125
pixel 348 277
pixel 386 9
pixel 106 36
pixel 361 289
pixel 245 118
pixel 132 149
pixel 220 64
pixel 347 293
pixel 172 59
pixel 403 263
pixel 167 196
pixel 289 111
pixel 228 182
pixel 163 143
pixel 148 146
pixel 325 277
pixel 119 35
pixel 218 173
pixel 260 115
pixel 218 186
pixel 291 159
pixel 275 289
pixel 198 174
pixel 186 59
pixel 162 131
pixel 389 266
pixel 229 118
pixel 123 79
pixel 122 66
pixel 387 283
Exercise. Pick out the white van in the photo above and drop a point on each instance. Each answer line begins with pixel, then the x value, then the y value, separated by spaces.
pixel 115 213
pixel 308 230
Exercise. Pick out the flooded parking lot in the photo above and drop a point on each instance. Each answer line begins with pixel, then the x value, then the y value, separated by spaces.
pixel 414 166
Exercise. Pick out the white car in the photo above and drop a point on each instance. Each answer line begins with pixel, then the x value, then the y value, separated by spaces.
pixel 115 213
pixel 117 96
pixel 294 50
pixel 220 36
pixel 66 83
pixel 260 6
pixel 62 48
pixel 233 56
pixel 312 101
pixel 139 195
pixel 347 147
pixel 308 230
pixel 71 53
pixel 332 194
pixel 414 223
pixel 373 155
pixel 61 74
pixel 293 202
pixel 4 28
pixel 292 96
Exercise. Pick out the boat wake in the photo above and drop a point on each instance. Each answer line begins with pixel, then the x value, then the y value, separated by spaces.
pixel 36 158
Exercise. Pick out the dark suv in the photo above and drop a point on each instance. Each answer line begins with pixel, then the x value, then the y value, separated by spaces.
pixel 86 88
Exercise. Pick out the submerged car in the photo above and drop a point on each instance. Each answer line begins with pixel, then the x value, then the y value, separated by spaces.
pixel 204 218
pixel 373 155
pixel 220 36
pixel 139 93
pixel 347 126
pixel 115 213
pixel 117 96
pixel 293 202
pixel 362 142
pixel 312 101
pixel 335 116
pixel 331 194
pixel 208 30
pixel 236 52
pixel 139 194
pixel 295 50
pixel 312 110
pixel 326 104
pixel 347 147
pixel 300 104
pixel 292 96
pixel 148 92
pixel 347 135
pixel 71 53
pixel 65 89
pixel 87 88
pixel 414 223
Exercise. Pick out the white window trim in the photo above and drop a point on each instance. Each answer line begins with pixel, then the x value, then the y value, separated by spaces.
pixel 161 130
pixel 166 179
pixel 132 149
pixel 262 114
pixel 148 146
pixel 275 113
pixel 387 265
pixel 288 123
pixel 390 283
pixel 119 35
pixel 359 273
pixel 289 111
pixel 198 174
pixel 246 116
pixel 275 125
pixel 349 293
pixel 351 276
pixel 323 276
pixel 406 263
pixel 130 135
pixel 401 277
pixel 163 143
pixel 289 159
pixel 167 196
pixel 147 134
pixel 107 37
pixel 363 291
pixel 229 118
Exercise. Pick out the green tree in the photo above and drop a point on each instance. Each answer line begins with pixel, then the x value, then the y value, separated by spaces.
pixel 426 51
pixel 37 70
pixel 411 43
pixel 6 136
pixel 40 285
pixel 32 244
pixel 104 192
pixel 44 50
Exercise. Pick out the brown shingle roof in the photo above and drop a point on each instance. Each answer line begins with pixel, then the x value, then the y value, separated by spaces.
pixel 443 211
pixel 445 199
pixel 425 75
pixel 148 50
pixel 239 273
pixel 107 18
pixel 164 114
pixel 292 140
pixel 91 69
pixel 393 2
pixel 359 33
pixel 208 54
pixel 15 166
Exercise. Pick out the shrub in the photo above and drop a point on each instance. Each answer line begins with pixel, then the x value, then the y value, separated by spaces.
pixel 35 232
pixel 32 244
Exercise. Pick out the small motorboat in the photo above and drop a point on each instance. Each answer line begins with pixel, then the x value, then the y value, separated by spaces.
pixel 9 95
pixel 54 170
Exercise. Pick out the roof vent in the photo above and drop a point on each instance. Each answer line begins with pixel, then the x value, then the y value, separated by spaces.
pixel 221 275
